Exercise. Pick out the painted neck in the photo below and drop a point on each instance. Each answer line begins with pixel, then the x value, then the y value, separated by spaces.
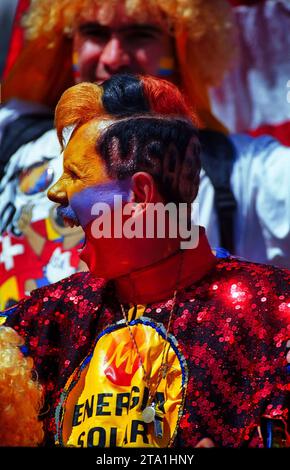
pixel 159 280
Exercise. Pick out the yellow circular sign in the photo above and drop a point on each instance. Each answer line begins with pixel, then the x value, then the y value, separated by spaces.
pixel 106 395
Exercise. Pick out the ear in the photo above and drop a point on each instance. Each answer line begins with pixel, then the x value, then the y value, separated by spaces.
pixel 144 188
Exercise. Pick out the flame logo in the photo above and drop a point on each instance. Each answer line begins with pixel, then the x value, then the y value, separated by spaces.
pixel 122 361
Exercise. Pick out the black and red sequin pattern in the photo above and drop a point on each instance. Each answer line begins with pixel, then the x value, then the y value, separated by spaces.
pixel 232 327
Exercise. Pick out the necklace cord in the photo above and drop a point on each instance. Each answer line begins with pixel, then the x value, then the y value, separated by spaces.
pixel 164 367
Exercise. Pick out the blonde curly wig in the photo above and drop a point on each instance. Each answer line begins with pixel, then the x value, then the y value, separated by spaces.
pixel 208 24
pixel 20 395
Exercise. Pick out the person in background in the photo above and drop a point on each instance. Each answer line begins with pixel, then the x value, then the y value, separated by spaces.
pixel 244 190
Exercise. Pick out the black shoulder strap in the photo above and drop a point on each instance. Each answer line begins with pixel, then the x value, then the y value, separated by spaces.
pixel 217 157
pixel 21 131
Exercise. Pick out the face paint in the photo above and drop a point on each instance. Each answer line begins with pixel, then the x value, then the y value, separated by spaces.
pixel 83 169
pixel 76 67
pixel 103 224
pixel 166 67
pixel 85 182
pixel 85 203
pixel 67 213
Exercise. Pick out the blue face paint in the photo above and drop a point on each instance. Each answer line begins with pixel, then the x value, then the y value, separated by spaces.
pixel 166 67
pixel 82 202
pixel 76 67
pixel 67 212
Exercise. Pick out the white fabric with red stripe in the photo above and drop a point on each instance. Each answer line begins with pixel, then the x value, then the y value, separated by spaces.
pixel 254 92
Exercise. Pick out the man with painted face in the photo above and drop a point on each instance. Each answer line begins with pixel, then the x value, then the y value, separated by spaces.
pixel 244 199
pixel 160 344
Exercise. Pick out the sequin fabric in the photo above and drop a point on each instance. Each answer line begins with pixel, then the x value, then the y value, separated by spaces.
pixel 232 327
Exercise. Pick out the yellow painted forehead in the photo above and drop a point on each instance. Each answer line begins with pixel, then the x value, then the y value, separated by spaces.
pixel 81 155
pixel 90 131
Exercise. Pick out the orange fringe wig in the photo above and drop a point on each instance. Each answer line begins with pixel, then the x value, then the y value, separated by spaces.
pixel 20 395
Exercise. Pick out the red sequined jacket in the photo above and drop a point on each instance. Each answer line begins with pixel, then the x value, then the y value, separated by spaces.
pixel 232 327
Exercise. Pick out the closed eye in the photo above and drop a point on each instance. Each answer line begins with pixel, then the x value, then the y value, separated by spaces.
pixel 73 173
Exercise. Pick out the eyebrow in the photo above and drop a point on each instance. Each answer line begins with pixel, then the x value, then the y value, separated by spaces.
pixel 147 27
pixel 127 28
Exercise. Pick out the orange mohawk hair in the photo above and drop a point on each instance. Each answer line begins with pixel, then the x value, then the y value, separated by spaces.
pixel 122 95
pixel 165 98
pixel 78 105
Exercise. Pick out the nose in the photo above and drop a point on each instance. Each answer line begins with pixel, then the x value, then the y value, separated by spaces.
pixel 114 56
pixel 57 193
